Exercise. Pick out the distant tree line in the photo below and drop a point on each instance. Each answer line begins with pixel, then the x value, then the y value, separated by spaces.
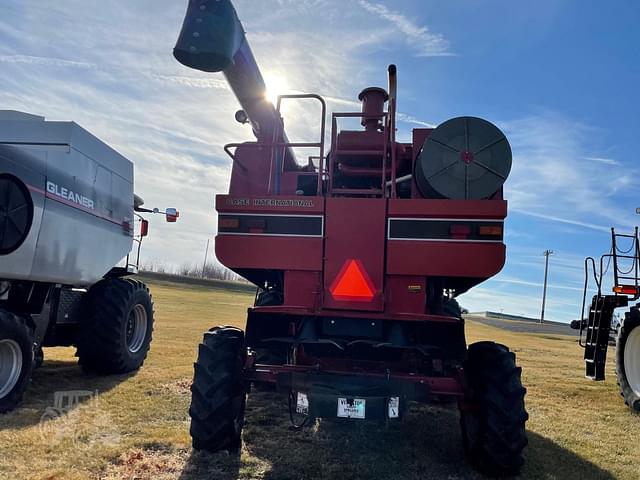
pixel 212 271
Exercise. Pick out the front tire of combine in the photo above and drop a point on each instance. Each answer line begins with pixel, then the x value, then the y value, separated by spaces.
pixel 628 359
pixel 493 415
pixel 115 334
pixel 16 360
pixel 218 392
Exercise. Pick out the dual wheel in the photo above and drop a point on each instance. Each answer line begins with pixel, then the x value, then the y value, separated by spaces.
pixel 114 337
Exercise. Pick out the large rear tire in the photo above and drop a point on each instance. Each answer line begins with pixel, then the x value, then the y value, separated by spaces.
pixel 115 334
pixel 628 359
pixel 218 391
pixel 16 360
pixel 493 416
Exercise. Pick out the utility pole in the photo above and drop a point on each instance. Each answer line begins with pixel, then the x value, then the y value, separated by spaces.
pixel 206 253
pixel 546 254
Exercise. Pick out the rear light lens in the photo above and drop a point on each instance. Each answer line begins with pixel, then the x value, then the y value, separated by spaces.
pixel 626 290
pixel 144 228
pixel 229 223
pixel 491 230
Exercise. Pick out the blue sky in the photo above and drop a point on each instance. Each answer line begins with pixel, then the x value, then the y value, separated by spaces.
pixel 561 78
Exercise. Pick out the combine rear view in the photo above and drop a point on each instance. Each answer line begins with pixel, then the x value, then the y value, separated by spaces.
pixel 358 254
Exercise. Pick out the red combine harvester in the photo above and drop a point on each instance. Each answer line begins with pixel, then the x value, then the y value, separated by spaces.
pixel 357 256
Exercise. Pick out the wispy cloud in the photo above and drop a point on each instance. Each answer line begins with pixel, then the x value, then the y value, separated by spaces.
pixel 33 60
pixel 606 161
pixel 553 218
pixel 403 117
pixel 549 152
pixel 424 42
pixel 197 82
pixel 517 281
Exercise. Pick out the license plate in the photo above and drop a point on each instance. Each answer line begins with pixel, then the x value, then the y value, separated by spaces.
pixel 351 407
pixel 302 404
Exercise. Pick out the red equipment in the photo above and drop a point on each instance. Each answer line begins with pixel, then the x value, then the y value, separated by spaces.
pixel 357 256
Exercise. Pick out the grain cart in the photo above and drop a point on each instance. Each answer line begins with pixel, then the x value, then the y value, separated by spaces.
pixel 358 254
pixel 67 218
pixel 622 263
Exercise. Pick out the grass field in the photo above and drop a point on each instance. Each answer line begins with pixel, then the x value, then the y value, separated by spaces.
pixel 138 426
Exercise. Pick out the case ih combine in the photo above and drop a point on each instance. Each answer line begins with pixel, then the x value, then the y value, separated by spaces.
pixel 357 255
pixel 67 216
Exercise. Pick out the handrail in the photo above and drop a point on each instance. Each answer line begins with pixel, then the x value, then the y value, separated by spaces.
pixel 618 274
pixel 319 145
pixel 227 150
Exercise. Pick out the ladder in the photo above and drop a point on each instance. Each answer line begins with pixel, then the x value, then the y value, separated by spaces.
pixel 597 329
pixel 626 286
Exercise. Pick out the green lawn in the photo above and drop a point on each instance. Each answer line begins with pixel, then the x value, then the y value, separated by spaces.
pixel 138 426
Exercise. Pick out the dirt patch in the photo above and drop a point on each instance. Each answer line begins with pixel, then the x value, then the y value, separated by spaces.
pixel 177 387
pixel 156 461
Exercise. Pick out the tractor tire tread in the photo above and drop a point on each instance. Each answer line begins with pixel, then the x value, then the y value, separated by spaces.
pixel 15 328
pixel 497 394
pixel 100 348
pixel 218 393
pixel 631 321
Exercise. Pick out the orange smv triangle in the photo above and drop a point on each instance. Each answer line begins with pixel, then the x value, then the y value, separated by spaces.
pixel 352 283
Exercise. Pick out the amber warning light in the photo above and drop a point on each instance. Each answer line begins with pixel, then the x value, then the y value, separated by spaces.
pixel 626 290
pixel 352 283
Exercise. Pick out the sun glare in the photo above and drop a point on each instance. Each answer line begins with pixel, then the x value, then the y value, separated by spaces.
pixel 276 85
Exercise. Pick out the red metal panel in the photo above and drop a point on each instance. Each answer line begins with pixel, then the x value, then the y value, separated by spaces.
pixel 489 209
pixel 250 172
pixel 302 289
pixel 263 252
pixel 355 230
pixel 444 259
pixel 406 294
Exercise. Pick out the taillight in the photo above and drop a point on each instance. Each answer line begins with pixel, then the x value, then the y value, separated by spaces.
pixel 491 230
pixel 626 290
pixel 144 228
pixel 229 223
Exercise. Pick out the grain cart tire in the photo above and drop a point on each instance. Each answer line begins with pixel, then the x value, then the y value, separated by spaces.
pixel 115 334
pixel 218 393
pixel 493 415
pixel 38 358
pixel 628 359
pixel 16 360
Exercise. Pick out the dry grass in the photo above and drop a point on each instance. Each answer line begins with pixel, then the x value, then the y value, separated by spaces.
pixel 138 428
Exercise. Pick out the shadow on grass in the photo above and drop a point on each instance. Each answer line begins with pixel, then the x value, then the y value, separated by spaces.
pixel 426 445
pixel 56 376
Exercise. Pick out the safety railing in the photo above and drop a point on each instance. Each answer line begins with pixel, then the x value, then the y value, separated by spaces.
pixel 277 156
pixel 625 279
